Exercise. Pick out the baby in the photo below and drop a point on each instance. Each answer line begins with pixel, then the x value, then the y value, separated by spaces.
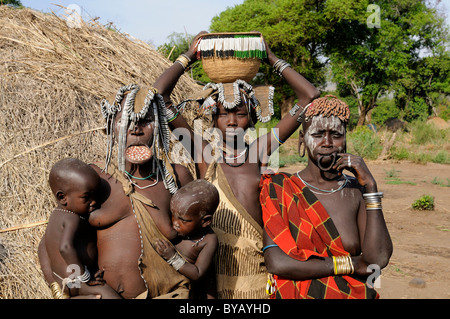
pixel 70 241
pixel 192 207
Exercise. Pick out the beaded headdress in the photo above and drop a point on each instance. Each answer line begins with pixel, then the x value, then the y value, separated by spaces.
pixel 258 99
pixel 138 103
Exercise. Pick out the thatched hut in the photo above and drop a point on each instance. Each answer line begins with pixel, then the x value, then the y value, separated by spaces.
pixel 52 79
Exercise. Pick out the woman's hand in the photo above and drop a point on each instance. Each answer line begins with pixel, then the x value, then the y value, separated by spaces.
pixel 192 52
pixel 358 167
pixel 361 266
pixel 271 58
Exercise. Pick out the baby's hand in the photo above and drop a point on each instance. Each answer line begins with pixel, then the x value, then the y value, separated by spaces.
pixel 97 279
pixel 164 249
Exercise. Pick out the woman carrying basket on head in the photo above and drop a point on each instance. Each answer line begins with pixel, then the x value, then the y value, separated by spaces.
pixel 236 169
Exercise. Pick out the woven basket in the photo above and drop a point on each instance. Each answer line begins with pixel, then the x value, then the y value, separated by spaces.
pixel 229 69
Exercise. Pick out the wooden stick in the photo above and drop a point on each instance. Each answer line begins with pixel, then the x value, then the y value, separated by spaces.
pixel 173 48
pixel 23 226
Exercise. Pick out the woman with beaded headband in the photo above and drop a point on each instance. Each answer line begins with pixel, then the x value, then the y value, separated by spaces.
pixel 322 228
pixel 239 265
pixel 137 192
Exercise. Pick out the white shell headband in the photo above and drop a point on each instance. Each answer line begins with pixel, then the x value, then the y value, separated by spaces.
pixel 161 137
pixel 239 85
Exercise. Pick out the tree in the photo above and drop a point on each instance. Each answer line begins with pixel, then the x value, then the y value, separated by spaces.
pixel 178 44
pixel 14 3
pixel 373 46
pixel 370 61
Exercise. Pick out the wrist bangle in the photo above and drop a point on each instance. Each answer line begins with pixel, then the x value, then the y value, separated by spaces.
pixel 176 261
pixel 379 194
pixel 276 137
pixel 373 200
pixel 183 60
pixel 57 292
pixel 297 107
pixel 173 117
pixel 188 58
pixel 279 66
pixel 343 265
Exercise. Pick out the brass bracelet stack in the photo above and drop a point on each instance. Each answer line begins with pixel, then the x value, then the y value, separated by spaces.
pixel 56 291
pixel 183 60
pixel 373 200
pixel 343 265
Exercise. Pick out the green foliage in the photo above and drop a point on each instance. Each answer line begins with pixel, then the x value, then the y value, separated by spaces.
pixel 427 133
pixel 425 202
pixel 442 157
pixel 420 157
pixel 425 87
pixel 178 44
pixel 368 62
pixel 400 153
pixel 439 182
pixel 407 55
pixel 417 109
pixel 385 110
pixel 392 173
pixel 393 178
pixel 364 142
pixel 445 113
pixel 14 3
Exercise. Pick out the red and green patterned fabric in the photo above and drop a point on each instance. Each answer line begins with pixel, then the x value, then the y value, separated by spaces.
pixel 301 227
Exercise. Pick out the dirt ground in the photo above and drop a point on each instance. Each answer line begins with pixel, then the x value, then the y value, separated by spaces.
pixel 419 266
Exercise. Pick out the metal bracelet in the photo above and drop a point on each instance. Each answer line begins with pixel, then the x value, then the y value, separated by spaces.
pixel 176 261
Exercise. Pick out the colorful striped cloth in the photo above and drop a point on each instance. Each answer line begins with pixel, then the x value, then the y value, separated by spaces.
pixel 299 224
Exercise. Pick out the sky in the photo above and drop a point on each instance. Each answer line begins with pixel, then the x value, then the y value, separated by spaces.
pixel 148 20
pixel 154 20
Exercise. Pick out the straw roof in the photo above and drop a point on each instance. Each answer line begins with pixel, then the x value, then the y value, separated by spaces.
pixel 52 79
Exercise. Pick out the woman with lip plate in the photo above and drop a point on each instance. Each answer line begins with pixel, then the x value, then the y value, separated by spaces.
pixel 136 188
pixel 141 184
pixel 322 228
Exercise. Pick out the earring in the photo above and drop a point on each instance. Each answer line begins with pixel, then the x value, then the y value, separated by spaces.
pixel 301 153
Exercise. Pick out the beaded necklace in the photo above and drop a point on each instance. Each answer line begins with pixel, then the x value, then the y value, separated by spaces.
pixel 68 211
pixel 143 187
pixel 238 164
pixel 139 178
pixel 195 242
pixel 235 157
pixel 324 191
